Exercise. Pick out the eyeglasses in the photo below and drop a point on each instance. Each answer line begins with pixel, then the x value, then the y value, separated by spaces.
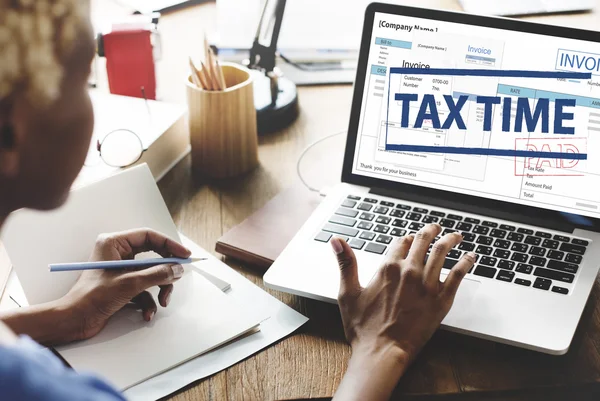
pixel 119 148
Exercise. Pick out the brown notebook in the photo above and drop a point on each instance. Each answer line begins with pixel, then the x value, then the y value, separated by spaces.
pixel 260 238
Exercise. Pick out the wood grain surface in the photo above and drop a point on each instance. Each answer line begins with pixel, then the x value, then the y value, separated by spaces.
pixel 310 363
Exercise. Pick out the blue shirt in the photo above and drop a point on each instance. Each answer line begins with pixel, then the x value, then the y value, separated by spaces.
pixel 31 372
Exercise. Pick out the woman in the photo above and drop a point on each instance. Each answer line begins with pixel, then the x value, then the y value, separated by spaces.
pixel 46 124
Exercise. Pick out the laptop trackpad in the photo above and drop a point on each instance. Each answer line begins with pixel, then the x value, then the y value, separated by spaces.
pixel 463 302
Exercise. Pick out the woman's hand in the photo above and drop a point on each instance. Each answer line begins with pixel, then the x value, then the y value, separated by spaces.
pixel 388 322
pixel 99 294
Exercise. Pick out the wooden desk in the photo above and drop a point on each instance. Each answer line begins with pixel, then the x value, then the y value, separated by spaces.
pixel 310 364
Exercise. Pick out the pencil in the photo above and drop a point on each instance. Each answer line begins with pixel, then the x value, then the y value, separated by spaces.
pixel 121 264
pixel 206 73
pixel 213 70
pixel 221 76
pixel 195 76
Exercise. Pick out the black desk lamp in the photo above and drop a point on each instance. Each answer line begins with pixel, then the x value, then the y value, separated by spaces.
pixel 275 97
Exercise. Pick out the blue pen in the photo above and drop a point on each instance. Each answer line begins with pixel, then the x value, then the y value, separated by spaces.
pixel 121 264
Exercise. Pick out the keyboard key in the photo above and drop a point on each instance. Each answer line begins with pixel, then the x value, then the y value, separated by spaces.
pixel 554 275
pixel 342 237
pixel 489 224
pixel 537 251
pixel 454 217
pixel 403 207
pixel 466 246
pixel 385 203
pixel 367 235
pixel 384 239
pixel 537 261
pixel 349 203
pixel 576 249
pixel 525 231
pixel 524 268
pixel 367 216
pixel 437 214
pixel 397 213
pixel 383 220
pixel 420 210
pixel 550 244
pixel 342 211
pixel 520 281
pixel 454 254
pixel 353 197
pixel 398 232
pixel 515 237
pixel 560 290
pixel 519 248
pixel 501 253
pixel 488 261
pixel 345 221
pixel 462 226
pixel 375 248
pixel 542 284
pixel 505 275
pixel 414 216
pixel 481 230
pixel 447 223
pixel 573 258
pixel 543 234
pixel 531 240
pixel 506 264
pixel 430 219
pixel 356 243
pixel 448 263
pixel 485 271
pixel 381 229
pixel 381 210
pixel 371 200
pixel 363 225
pixel 498 233
pixel 519 257
pixel 365 206
pixel 323 237
pixel 416 226
pixel 562 238
pixel 502 244
pixel 557 255
pixel 484 250
pixel 580 242
pixel 482 239
pixel 400 223
pixel 472 220
pixel 507 227
pixel 336 229
pixel 562 266
pixel 448 231
pixel 468 237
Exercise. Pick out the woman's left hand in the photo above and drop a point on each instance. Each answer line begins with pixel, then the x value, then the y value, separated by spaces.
pixel 99 294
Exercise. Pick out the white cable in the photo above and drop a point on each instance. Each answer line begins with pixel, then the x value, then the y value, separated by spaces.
pixel 309 147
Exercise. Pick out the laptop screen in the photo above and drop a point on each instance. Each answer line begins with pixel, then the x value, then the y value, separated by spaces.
pixel 483 125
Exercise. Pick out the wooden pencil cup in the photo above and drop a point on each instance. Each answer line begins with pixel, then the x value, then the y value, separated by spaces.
pixel 223 130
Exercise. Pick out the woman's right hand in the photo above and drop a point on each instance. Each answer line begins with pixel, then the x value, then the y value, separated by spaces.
pixel 388 322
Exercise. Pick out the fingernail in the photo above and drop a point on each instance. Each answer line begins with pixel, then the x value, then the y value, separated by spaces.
pixel 152 315
pixel 177 271
pixel 168 298
pixel 472 255
pixel 337 246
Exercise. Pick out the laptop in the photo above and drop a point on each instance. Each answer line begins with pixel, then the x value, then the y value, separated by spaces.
pixel 533 222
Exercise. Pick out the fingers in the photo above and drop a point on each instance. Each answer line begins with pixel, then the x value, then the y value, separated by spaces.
pixel 437 256
pixel 164 296
pixel 421 243
pixel 456 275
pixel 146 303
pixel 144 240
pixel 399 248
pixel 349 283
pixel 161 275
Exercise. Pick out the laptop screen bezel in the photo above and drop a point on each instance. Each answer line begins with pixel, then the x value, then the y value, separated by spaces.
pixel 414 192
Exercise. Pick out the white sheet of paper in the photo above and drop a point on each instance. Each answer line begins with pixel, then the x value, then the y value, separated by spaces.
pixel 283 321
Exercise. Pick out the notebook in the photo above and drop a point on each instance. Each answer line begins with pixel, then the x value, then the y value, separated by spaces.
pixel 129 350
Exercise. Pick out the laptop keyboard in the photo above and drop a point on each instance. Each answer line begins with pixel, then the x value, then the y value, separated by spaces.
pixel 509 253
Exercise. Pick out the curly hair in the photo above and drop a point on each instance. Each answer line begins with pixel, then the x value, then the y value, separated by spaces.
pixel 35 38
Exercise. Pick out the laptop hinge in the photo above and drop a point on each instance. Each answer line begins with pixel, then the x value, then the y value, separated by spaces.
pixel 544 222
